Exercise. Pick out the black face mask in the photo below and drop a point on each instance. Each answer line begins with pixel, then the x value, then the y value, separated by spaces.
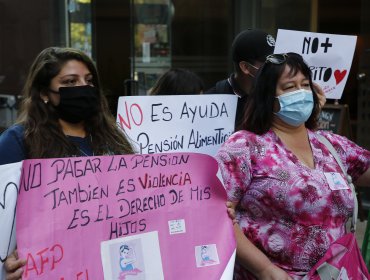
pixel 77 103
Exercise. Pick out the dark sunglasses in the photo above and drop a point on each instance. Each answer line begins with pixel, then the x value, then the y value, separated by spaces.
pixel 276 58
pixel 280 58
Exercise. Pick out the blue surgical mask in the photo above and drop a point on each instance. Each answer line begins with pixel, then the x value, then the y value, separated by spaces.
pixel 295 107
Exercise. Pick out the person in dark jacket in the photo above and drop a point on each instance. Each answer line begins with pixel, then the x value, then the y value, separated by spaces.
pixel 249 51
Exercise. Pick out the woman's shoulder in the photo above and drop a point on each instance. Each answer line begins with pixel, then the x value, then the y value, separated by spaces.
pixel 247 137
pixel 12 147
pixel 342 144
pixel 243 140
pixel 16 130
pixel 334 139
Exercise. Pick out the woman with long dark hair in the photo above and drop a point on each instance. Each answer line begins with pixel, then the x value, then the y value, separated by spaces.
pixel 290 195
pixel 63 114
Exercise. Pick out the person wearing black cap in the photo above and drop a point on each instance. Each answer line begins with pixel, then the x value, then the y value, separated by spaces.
pixel 249 50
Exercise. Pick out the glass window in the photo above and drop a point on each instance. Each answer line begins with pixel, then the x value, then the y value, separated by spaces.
pixel 151 39
pixel 80 27
pixel 187 34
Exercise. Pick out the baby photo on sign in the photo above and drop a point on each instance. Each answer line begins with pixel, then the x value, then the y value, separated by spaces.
pixel 206 255
pixel 135 257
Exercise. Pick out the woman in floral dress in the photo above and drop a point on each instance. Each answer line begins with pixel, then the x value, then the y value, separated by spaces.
pixel 289 194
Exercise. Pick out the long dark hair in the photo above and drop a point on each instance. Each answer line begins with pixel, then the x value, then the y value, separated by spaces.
pixel 44 137
pixel 258 114
pixel 178 81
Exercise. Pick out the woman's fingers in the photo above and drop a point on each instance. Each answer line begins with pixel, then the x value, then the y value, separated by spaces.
pixel 13 266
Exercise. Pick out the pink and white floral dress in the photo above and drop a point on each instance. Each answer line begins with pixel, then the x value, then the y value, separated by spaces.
pixel 285 208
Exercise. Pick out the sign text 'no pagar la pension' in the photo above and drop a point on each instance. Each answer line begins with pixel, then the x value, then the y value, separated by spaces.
pixel 159 216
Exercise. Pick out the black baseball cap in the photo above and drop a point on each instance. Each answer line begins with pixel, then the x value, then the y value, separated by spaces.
pixel 251 45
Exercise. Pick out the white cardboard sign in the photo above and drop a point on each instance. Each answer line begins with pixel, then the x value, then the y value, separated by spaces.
pixel 328 55
pixel 9 187
pixel 177 123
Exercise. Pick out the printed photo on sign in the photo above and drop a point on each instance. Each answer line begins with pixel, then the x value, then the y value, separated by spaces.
pixel 136 257
pixel 177 226
pixel 130 260
pixel 329 56
pixel 206 255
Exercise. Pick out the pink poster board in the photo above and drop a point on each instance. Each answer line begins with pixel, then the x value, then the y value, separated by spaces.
pixel 72 210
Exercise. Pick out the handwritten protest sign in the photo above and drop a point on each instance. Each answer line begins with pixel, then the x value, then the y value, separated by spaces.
pixel 9 181
pixel 190 123
pixel 163 214
pixel 329 56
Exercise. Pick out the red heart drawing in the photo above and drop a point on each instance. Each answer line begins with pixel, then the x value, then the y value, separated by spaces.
pixel 339 75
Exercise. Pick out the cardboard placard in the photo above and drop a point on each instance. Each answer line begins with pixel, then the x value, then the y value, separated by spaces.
pixel 335 118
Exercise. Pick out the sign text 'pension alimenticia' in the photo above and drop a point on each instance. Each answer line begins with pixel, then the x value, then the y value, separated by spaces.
pixel 190 123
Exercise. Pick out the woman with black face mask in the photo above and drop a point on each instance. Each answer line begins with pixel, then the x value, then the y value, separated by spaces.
pixel 63 114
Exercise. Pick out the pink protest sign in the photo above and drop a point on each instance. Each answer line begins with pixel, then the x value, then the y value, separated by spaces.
pixel 159 216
